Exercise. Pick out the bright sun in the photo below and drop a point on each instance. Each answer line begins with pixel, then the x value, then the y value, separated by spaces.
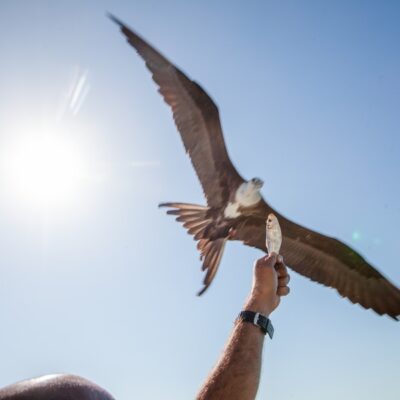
pixel 44 170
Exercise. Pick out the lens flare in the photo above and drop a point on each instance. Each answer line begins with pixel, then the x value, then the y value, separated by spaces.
pixel 356 236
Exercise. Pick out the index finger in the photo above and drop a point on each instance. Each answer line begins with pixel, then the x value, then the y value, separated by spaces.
pixel 281 268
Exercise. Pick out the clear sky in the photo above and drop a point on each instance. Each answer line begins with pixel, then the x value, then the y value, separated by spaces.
pixel 97 281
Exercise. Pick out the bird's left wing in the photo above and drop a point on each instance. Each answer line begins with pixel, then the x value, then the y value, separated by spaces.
pixel 327 261
pixel 197 119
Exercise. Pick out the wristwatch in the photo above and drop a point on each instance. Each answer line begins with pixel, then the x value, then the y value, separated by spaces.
pixel 259 320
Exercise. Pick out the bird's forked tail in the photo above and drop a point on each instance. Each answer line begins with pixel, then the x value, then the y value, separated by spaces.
pixel 195 219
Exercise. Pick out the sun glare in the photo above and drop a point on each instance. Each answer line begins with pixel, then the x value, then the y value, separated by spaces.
pixel 44 170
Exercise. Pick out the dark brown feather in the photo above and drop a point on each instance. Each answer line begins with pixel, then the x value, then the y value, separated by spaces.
pixel 196 219
pixel 197 119
pixel 327 261
pixel 212 259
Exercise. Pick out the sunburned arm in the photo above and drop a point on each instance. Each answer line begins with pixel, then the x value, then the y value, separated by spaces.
pixel 237 374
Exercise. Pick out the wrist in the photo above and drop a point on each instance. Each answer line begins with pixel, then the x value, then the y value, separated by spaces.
pixel 259 320
pixel 258 304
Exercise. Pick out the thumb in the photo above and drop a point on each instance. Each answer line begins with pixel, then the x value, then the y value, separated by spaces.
pixel 268 261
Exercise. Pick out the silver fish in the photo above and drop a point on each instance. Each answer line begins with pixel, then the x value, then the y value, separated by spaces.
pixel 273 234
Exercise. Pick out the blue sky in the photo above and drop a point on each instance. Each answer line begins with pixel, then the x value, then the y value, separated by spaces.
pixel 97 281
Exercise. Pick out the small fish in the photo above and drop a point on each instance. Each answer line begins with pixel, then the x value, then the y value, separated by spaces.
pixel 273 234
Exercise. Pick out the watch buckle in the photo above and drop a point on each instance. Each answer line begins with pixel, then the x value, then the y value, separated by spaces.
pixel 256 316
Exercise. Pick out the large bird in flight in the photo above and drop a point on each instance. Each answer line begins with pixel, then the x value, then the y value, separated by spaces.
pixel 235 208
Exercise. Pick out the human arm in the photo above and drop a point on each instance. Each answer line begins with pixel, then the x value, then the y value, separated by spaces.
pixel 236 375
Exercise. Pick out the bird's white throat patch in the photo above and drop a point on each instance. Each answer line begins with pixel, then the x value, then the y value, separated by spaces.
pixel 247 195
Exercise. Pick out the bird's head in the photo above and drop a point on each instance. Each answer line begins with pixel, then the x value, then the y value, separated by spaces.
pixel 257 183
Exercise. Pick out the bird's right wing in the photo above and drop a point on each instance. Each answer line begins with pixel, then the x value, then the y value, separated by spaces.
pixel 197 119
pixel 327 261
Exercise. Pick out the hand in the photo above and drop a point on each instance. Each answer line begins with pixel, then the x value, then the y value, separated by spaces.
pixel 270 282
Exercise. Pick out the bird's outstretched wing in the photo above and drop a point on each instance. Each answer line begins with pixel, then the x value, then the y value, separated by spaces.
pixel 197 119
pixel 327 261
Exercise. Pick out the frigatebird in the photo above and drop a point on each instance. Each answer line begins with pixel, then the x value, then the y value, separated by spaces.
pixel 236 210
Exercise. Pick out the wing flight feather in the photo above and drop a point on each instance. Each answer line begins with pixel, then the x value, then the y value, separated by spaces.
pixel 197 119
pixel 327 261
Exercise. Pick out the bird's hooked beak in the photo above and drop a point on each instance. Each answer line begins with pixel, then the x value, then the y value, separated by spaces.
pixel 257 182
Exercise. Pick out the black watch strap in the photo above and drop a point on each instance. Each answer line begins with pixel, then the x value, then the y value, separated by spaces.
pixel 258 319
